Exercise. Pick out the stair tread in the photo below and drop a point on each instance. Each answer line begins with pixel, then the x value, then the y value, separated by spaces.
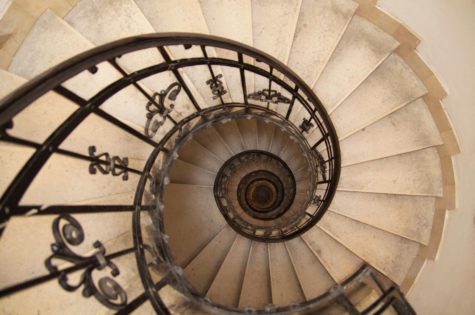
pixel 123 19
pixel 192 221
pixel 361 49
pixel 390 254
pixel 256 291
pixel 406 216
pixel 230 133
pixel 313 277
pixel 185 173
pixel 233 20
pixel 337 259
pixel 33 57
pixel 414 173
pixel 273 27
pixel 193 153
pixel 185 16
pixel 320 25
pixel 57 173
pixel 209 138
pixel 407 129
pixel 392 85
pixel 226 286
pixel 265 133
pixel 286 288
pixel 201 271
pixel 248 131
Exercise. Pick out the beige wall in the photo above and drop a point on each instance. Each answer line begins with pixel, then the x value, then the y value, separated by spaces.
pixel 447 31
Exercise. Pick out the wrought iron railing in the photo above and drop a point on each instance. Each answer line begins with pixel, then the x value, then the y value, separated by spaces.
pixel 277 93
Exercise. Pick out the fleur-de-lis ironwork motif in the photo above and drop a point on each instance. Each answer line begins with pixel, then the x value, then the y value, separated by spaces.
pixel 270 96
pixel 158 108
pixel 306 125
pixel 321 164
pixel 68 231
pixel 216 86
pixel 115 165
pixel 317 199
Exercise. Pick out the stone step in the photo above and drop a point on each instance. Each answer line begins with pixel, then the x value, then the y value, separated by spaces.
pixel 229 132
pixel 265 135
pixel 185 16
pixel 308 269
pixel 408 129
pixel 390 254
pixel 185 173
pixel 123 19
pixel 406 216
pixel 227 284
pixel 415 173
pixel 186 223
pixel 233 20
pixel 337 259
pixel 34 57
pixel 209 138
pixel 256 288
pixel 248 130
pixel 361 49
pixel 202 270
pixel 319 28
pixel 273 28
pixel 194 153
pixel 391 86
pixel 285 285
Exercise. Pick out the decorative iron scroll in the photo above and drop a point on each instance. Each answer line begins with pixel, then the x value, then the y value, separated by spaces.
pixel 158 108
pixel 216 86
pixel 115 165
pixel 108 292
pixel 321 164
pixel 271 96
pixel 306 125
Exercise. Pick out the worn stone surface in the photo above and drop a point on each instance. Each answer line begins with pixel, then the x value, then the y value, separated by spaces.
pixel 387 252
pixel 415 173
pixel 392 85
pixel 406 216
pixel 362 48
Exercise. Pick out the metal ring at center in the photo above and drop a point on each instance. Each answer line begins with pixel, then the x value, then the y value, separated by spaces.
pixel 260 194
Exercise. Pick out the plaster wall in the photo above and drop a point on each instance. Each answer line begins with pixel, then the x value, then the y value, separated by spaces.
pixel 447 31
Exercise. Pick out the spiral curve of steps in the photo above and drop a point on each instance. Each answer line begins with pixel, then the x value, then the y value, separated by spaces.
pixel 396 145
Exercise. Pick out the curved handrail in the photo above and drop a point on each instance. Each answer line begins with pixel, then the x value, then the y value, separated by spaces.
pixel 53 79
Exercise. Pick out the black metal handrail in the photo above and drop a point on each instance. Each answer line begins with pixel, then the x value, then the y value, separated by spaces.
pixel 280 78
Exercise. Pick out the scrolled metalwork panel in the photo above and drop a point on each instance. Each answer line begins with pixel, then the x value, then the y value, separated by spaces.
pixel 67 231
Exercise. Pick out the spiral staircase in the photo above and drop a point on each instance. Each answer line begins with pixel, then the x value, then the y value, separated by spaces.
pixel 280 157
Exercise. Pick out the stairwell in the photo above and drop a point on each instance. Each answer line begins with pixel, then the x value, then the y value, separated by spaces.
pixel 212 174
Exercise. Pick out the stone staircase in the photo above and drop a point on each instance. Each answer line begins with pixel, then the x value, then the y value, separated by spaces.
pixel 395 140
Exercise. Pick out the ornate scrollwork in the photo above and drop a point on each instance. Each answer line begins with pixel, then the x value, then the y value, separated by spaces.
pixel 270 96
pixel 115 165
pixel 306 125
pixel 70 233
pixel 158 108
pixel 321 164
pixel 216 86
